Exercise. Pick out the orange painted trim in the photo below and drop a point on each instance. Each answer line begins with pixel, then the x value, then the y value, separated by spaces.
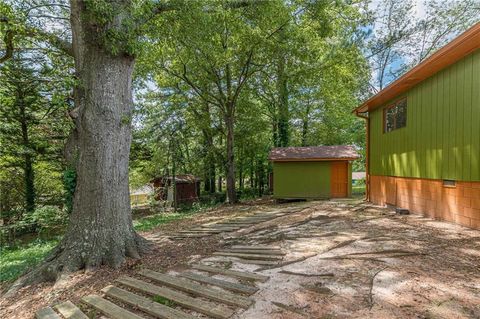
pixel 315 160
pixel 463 45
pixel 367 156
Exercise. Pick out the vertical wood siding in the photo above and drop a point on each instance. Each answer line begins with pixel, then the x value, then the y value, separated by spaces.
pixel 301 179
pixel 442 136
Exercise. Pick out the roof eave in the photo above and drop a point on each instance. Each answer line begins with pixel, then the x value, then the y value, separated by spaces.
pixel 463 45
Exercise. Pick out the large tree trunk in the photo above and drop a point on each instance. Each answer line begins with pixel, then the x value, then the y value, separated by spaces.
pixel 100 229
pixel 231 192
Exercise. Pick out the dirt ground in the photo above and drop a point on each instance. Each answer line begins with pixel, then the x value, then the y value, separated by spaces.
pixel 344 259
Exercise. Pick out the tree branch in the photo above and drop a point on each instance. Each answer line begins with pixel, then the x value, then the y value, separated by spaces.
pixel 8 39
pixel 61 44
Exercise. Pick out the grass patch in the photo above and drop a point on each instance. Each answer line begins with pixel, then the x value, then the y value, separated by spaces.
pixel 150 222
pixel 15 261
pixel 163 301
pixel 358 189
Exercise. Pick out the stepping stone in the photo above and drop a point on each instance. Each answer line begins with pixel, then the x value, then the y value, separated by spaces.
pixel 256 247
pixel 198 305
pixel 254 251
pixel 146 305
pixel 108 308
pixel 46 313
pixel 232 286
pixel 197 289
pixel 231 273
pixel 70 311
pixel 248 256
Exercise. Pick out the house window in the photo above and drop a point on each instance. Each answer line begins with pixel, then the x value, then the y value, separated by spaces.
pixel 395 116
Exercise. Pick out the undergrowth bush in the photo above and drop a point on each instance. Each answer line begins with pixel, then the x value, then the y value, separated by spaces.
pixel 48 218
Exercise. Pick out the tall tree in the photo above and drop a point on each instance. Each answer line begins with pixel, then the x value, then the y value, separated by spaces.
pixel 33 101
pixel 216 53
pixel 104 38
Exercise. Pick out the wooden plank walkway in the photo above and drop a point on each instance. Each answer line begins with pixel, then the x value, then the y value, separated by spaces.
pixel 256 247
pixel 46 313
pixel 253 251
pixel 197 289
pixel 232 286
pixel 146 305
pixel 201 306
pixel 203 294
pixel 257 262
pixel 249 256
pixel 108 308
pixel 70 311
pixel 231 273
pixel 229 225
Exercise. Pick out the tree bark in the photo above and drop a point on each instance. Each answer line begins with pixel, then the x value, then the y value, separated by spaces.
pixel 305 125
pixel 100 229
pixel 229 115
pixel 229 123
pixel 282 91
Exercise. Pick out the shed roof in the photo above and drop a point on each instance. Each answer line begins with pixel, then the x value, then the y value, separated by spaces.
pixel 184 178
pixel 313 153
pixel 461 46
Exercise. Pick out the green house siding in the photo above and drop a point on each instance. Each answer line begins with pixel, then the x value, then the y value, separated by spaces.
pixel 442 137
pixel 301 179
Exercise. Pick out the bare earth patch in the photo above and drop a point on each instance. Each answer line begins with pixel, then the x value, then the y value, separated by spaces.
pixel 344 259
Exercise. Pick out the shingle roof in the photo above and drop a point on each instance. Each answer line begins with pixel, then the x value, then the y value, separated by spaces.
pixel 184 178
pixel 313 153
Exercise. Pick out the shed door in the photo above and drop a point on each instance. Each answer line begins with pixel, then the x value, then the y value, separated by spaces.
pixel 339 179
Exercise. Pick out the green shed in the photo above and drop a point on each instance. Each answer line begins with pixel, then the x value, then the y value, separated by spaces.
pixel 312 172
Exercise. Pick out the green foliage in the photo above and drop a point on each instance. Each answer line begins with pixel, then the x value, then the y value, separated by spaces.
pixel 306 56
pixel 150 222
pixel 15 261
pixel 184 211
pixel 69 184
pixel 47 218
pixel 164 301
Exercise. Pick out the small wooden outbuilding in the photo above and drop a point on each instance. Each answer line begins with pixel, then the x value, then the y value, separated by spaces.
pixel 187 188
pixel 312 172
